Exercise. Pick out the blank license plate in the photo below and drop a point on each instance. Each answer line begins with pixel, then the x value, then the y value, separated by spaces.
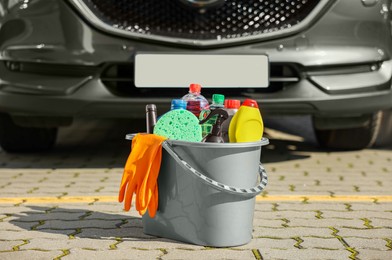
pixel 209 70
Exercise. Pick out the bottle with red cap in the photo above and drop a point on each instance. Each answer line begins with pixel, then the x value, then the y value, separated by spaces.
pixel 195 101
pixel 231 106
pixel 247 124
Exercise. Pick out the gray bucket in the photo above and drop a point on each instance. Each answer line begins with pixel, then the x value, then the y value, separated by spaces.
pixel 207 192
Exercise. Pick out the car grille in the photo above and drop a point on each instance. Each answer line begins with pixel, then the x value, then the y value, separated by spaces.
pixel 170 19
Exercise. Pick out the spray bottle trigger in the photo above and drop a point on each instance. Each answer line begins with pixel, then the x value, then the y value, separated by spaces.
pixel 220 112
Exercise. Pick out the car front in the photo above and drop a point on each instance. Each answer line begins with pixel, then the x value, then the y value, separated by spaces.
pixel 76 58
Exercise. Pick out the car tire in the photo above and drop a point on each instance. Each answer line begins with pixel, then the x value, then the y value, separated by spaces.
pixel 18 139
pixel 384 137
pixel 355 138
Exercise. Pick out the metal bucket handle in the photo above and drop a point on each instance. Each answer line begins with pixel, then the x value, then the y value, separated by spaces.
pixel 217 185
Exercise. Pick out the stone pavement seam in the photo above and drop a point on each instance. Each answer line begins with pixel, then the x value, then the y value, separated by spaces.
pixel 367 222
pixel 17 247
pixel 114 245
pixel 353 252
pixel 65 253
pixel 73 234
pixel 319 214
pixel 85 215
pixel 163 252
pixel 257 254
pixel 389 243
pixel 299 242
pixel 40 223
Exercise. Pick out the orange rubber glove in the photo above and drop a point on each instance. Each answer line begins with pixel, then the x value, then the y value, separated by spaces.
pixel 141 173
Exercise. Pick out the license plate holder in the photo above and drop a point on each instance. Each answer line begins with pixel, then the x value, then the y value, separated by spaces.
pixel 157 70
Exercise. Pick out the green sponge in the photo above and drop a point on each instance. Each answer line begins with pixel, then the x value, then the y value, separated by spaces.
pixel 179 124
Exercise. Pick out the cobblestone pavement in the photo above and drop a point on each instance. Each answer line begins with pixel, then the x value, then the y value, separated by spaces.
pixel 317 205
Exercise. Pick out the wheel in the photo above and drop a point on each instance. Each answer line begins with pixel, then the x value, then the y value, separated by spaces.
pixel 384 137
pixel 18 139
pixel 350 137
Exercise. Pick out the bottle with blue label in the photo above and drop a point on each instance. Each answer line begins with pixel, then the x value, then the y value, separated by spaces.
pixel 178 104
pixel 217 102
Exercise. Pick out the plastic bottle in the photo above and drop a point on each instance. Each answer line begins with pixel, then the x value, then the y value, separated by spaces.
pixel 231 106
pixel 247 124
pixel 216 133
pixel 151 118
pixel 178 104
pixel 217 102
pixel 196 102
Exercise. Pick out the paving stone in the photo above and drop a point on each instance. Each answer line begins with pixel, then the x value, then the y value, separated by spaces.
pixel 123 232
pixel 381 222
pixel 290 232
pixel 326 222
pixel 263 214
pixel 99 208
pixel 366 243
pixel 73 224
pixel 303 254
pixel 358 214
pixel 208 254
pixel 29 254
pixel 58 244
pixel 32 234
pixel 77 254
pixel 156 243
pixel 321 243
pixel 267 223
pixel 268 243
pixel 374 254
pixel 298 206
pixel 366 233
pixel 33 216
pixel 386 207
pixel 20 226
pixel 8 245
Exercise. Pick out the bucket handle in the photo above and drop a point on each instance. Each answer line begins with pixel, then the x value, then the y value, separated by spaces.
pixel 217 185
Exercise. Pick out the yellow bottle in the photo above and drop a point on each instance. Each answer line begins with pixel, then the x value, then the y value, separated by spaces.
pixel 247 124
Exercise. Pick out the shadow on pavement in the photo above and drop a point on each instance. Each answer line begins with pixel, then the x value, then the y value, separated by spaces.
pixel 282 150
pixel 82 223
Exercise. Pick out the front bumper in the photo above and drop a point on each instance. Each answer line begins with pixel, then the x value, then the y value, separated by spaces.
pixel 358 93
pixel 54 64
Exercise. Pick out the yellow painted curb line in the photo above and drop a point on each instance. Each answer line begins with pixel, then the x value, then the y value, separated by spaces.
pixel 269 198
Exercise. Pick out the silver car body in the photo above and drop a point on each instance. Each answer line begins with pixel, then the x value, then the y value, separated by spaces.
pixel 64 59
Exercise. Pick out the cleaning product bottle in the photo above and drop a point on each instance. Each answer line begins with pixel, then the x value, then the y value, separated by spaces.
pixel 194 107
pixel 178 104
pixel 216 133
pixel 151 117
pixel 247 124
pixel 195 101
pixel 231 106
pixel 217 102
